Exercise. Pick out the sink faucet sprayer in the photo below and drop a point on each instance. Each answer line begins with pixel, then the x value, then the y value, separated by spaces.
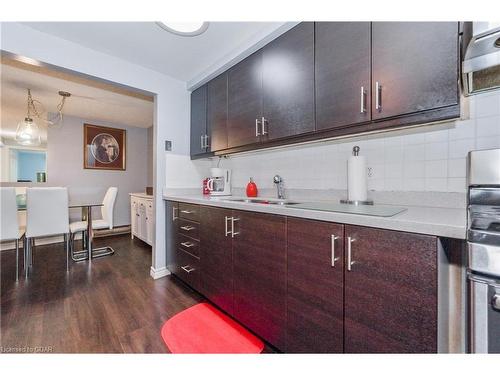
pixel 279 186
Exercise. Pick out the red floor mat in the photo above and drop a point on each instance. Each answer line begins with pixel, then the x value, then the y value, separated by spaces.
pixel 204 329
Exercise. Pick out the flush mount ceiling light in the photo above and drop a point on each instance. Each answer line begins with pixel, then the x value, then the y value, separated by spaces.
pixel 184 28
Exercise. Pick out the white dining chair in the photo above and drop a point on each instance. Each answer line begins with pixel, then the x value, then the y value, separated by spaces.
pixel 108 205
pixel 47 214
pixel 9 225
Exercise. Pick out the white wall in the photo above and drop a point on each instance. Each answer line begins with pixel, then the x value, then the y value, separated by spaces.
pixel 429 159
pixel 65 166
pixel 171 104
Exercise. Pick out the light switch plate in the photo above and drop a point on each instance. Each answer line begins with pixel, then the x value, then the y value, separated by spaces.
pixel 168 145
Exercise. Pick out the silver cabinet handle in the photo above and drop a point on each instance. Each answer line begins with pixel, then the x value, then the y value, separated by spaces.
pixel 201 142
pixel 187 212
pixel 187 244
pixel 350 262
pixel 363 100
pixel 174 216
pixel 188 268
pixel 226 219
pixel 333 239
pixel 257 124
pixel 233 233
pixel 264 122
pixel 187 227
pixel 206 142
pixel 378 96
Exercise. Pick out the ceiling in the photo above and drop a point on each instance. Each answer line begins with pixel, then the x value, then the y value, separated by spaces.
pixel 146 44
pixel 88 100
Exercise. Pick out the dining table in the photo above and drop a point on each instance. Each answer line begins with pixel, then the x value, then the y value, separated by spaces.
pixel 88 251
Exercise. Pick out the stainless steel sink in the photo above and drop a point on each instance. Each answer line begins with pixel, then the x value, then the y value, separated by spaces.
pixel 280 202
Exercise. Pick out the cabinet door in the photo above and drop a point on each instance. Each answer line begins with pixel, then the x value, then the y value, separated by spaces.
pixel 288 83
pixel 217 112
pixel 245 101
pixel 199 120
pixel 259 266
pixel 150 220
pixel 415 67
pixel 315 302
pixel 216 257
pixel 133 217
pixel 390 292
pixel 342 74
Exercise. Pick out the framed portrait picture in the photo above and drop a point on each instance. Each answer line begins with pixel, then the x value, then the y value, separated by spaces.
pixel 103 147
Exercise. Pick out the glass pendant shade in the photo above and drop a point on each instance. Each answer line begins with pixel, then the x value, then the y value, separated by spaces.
pixel 28 133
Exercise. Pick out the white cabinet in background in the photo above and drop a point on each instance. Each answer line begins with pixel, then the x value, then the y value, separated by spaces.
pixel 142 217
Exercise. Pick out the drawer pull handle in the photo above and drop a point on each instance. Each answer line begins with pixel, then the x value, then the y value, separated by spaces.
pixel 187 228
pixel 187 244
pixel 187 212
pixel 188 268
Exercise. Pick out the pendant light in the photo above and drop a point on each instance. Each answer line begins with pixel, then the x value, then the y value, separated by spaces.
pixel 28 132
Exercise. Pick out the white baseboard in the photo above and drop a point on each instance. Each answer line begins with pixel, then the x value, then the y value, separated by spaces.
pixel 158 273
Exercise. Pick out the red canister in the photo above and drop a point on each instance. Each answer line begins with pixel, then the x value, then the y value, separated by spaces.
pixel 205 187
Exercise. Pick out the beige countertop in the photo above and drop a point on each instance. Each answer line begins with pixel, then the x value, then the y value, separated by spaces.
pixel 437 221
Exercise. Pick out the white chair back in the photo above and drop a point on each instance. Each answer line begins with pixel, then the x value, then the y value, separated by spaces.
pixel 9 226
pixel 109 205
pixel 47 211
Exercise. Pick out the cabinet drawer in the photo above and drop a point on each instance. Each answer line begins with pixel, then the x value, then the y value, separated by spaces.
pixel 188 228
pixel 188 244
pixel 189 211
pixel 187 268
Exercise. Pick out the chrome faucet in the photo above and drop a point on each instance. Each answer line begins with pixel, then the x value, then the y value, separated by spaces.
pixel 279 186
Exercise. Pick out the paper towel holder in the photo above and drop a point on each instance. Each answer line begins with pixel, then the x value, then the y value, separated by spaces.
pixel 368 202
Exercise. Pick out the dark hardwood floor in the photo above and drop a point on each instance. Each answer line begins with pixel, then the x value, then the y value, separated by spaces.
pixel 109 306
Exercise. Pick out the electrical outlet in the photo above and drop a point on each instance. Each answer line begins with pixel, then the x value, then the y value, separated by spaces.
pixel 369 172
pixel 168 145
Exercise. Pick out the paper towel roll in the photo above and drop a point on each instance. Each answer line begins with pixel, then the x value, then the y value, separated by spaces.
pixel 356 178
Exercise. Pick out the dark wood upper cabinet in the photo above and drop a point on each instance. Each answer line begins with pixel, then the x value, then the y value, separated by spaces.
pixel 216 257
pixel 217 112
pixel 259 266
pixel 342 74
pixel 315 301
pixel 288 83
pixel 199 130
pixel 414 67
pixel 245 101
pixel 390 292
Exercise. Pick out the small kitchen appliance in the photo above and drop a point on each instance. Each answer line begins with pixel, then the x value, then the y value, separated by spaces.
pixel 252 190
pixel 483 244
pixel 220 181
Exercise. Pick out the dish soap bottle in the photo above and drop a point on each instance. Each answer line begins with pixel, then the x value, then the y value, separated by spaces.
pixel 251 188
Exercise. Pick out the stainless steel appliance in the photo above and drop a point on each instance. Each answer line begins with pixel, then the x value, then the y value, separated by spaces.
pixel 481 65
pixel 483 237
pixel 220 181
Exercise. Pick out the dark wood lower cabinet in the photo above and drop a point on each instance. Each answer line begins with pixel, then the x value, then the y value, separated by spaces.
pixel 216 257
pixel 259 265
pixel 390 292
pixel 308 286
pixel 315 300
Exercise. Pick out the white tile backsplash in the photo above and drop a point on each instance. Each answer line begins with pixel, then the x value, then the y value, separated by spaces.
pixel 432 158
